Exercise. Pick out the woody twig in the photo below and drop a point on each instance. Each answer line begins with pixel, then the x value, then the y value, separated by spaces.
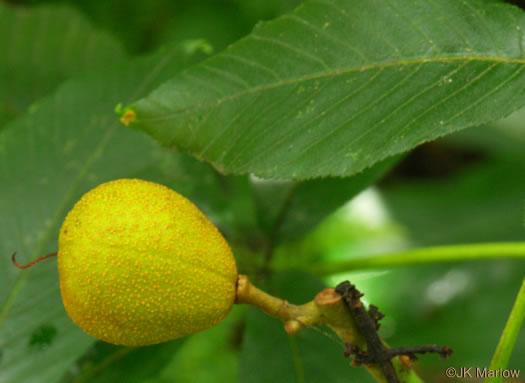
pixel 377 352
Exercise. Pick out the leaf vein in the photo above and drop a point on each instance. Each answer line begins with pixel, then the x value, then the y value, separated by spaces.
pixel 451 95
pixel 488 94
pixel 283 117
pixel 291 48
pixel 487 27
pixel 408 21
pixel 362 111
pixel 324 33
pixel 276 101
pixel 438 10
pixel 210 144
pixel 227 75
pixel 253 64
pixel 347 97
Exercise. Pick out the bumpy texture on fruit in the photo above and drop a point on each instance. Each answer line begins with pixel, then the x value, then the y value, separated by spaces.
pixel 139 264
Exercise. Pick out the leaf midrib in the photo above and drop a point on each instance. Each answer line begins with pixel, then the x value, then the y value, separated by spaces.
pixel 321 75
pixel 54 223
pixel 96 154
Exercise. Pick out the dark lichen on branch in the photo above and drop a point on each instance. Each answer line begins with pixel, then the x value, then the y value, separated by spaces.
pixel 377 352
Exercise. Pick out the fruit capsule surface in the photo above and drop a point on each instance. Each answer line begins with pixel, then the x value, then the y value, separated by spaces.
pixel 140 264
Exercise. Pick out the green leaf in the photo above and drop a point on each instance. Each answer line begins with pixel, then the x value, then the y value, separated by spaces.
pixel 48 158
pixel 309 356
pixel 126 364
pixel 481 204
pixel 209 356
pixel 289 209
pixel 336 86
pixel 41 47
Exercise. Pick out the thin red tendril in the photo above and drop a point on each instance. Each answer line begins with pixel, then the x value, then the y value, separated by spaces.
pixel 32 262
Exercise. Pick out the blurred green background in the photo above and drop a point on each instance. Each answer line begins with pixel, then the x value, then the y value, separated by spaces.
pixel 467 187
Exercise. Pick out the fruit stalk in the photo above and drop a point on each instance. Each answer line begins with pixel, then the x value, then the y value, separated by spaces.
pixel 295 316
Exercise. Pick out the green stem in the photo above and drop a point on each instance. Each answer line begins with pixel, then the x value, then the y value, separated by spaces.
pixel 509 336
pixel 426 255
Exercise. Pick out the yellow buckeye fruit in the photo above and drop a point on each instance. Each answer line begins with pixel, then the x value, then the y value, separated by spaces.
pixel 140 264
